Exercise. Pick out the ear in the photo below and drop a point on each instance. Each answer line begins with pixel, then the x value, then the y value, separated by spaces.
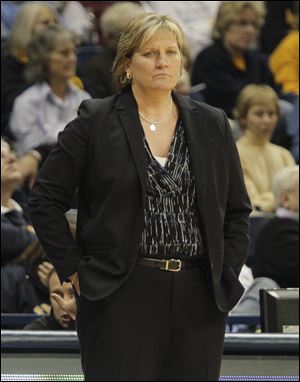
pixel 243 123
pixel 284 200
pixel 127 64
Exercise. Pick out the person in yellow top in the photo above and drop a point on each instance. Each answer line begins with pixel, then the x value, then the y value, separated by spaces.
pixel 257 112
pixel 284 61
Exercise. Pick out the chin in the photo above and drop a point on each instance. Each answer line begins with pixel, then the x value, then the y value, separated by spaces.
pixel 64 325
pixel 165 87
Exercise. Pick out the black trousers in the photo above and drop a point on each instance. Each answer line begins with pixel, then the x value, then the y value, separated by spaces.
pixel 158 326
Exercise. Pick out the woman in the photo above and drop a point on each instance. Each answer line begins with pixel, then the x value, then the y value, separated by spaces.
pixel 257 112
pixel 159 180
pixel 31 19
pixel 42 110
pixel 229 63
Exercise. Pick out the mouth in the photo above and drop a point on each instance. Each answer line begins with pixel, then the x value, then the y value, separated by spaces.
pixel 162 75
pixel 65 321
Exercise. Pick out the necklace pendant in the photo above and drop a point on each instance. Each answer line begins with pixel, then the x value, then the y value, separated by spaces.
pixel 152 127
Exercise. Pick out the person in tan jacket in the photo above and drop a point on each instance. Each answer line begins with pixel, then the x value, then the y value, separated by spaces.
pixel 257 112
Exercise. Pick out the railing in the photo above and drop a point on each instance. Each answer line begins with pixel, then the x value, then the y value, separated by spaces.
pixel 67 341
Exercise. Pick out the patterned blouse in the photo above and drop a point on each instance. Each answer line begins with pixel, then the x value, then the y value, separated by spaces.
pixel 171 226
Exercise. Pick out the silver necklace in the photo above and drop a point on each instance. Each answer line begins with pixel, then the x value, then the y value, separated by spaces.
pixel 153 125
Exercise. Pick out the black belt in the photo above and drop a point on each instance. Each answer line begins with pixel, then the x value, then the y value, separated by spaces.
pixel 171 265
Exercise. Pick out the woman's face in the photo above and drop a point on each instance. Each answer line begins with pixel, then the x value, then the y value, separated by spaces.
pixel 43 19
pixel 157 64
pixel 241 34
pixel 261 120
pixel 62 60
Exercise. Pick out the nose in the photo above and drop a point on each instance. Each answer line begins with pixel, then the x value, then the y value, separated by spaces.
pixel 162 60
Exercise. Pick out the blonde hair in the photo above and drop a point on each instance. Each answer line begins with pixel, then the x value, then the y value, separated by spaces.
pixel 136 34
pixel 253 95
pixel 115 18
pixel 284 180
pixel 229 12
pixel 22 30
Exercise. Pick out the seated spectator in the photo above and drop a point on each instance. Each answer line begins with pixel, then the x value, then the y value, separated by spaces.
pixel 63 307
pixel 43 110
pixel 98 74
pixel 257 111
pixel 31 18
pixel 230 64
pixel 277 245
pixel 16 231
pixel 284 61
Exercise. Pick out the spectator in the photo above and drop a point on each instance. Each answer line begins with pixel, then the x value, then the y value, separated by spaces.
pixel 63 307
pixel 44 109
pixel 257 111
pixel 229 64
pixel 31 18
pixel 277 245
pixel 16 231
pixel 98 74
pixel 284 61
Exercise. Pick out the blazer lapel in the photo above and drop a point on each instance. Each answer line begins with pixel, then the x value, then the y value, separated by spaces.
pixel 128 113
pixel 193 122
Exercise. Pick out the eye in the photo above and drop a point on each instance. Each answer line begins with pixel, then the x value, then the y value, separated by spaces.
pixel 171 52
pixel 149 54
pixel 272 114
pixel 259 113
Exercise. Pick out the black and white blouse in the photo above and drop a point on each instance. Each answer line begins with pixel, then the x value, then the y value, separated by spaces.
pixel 171 226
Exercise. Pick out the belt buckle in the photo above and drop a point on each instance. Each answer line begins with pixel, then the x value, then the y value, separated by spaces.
pixel 179 264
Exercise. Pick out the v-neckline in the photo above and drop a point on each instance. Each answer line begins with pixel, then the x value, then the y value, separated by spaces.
pixel 170 148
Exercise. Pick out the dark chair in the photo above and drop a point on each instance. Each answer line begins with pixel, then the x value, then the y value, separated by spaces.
pixel 257 221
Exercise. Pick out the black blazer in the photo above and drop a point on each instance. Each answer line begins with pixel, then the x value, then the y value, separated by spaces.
pixel 102 153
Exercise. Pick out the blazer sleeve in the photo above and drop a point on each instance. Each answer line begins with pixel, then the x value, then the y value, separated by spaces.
pixel 236 224
pixel 52 194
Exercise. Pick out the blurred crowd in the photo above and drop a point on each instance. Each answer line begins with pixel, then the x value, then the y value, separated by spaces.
pixel 240 56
